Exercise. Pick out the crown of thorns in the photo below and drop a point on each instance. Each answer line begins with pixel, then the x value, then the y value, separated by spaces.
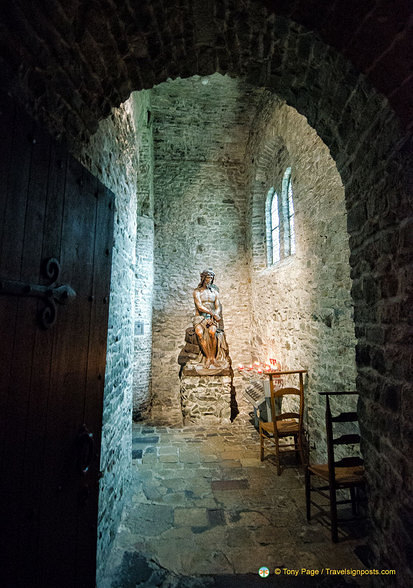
pixel 207 273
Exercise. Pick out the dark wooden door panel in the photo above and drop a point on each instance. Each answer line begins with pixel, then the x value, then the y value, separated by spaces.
pixel 7 124
pixel 51 380
pixel 13 199
pixel 24 397
pixel 21 134
pixel 65 409
pixel 16 342
pixel 35 467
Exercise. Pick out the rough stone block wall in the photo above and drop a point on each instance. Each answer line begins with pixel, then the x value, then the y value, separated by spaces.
pixel 200 133
pixel 380 222
pixel 142 368
pixel 144 259
pixel 301 306
pixel 206 399
pixel 70 65
pixel 111 155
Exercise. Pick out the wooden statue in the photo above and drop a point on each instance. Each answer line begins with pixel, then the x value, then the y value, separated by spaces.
pixel 206 342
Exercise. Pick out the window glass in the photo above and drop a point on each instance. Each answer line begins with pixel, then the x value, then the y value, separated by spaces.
pixel 280 221
pixel 275 229
pixel 291 230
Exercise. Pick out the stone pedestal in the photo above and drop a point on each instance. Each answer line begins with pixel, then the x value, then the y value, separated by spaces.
pixel 206 398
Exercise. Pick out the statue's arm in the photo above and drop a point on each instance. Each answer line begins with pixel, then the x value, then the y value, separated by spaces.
pixel 198 302
pixel 217 316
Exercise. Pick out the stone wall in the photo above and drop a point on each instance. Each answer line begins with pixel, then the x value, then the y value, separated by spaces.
pixel 200 132
pixel 112 156
pixel 70 65
pixel 143 318
pixel 302 312
pixel 206 400
pixel 380 222
pixel 144 259
pixel 77 60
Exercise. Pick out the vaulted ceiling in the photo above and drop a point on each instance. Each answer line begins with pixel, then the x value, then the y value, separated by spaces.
pixel 375 35
pixel 72 62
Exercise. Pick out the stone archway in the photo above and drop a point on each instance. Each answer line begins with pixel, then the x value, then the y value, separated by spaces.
pixel 108 53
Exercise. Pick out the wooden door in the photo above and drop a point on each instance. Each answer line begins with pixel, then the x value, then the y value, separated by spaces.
pixel 53 213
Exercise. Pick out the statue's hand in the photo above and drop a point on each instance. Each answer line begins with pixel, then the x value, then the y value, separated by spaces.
pixel 217 317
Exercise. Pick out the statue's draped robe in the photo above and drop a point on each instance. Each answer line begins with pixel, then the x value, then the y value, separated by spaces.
pixel 221 357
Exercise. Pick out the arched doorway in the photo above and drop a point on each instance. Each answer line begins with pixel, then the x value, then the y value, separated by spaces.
pixel 283 56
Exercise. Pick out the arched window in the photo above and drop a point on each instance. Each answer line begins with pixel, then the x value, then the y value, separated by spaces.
pixel 273 227
pixel 289 210
pixel 279 213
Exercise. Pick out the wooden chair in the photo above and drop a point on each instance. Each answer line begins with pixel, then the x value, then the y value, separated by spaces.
pixel 344 473
pixel 284 424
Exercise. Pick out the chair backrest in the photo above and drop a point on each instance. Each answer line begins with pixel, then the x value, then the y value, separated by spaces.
pixel 343 440
pixel 278 415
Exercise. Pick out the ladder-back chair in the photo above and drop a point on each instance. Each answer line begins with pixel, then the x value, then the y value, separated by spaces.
pixel 283 425
pixel 343 473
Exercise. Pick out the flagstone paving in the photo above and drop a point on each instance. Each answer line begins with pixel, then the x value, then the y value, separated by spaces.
pixel 204 511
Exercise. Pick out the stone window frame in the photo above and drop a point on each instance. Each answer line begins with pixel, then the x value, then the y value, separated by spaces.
pixel 284 223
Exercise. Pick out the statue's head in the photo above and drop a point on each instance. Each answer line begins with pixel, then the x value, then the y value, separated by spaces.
pixel 207 273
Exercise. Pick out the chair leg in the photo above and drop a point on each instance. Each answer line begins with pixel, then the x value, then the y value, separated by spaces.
pixel 354 504
pixel 277 457
pixel 308 493
pixel 261 444
pixel 301 450
pixel 333 514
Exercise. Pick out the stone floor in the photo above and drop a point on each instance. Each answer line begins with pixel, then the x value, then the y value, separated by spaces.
pixel 205 511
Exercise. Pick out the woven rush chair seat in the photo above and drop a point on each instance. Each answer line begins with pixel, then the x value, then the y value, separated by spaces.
pixel 290 427
pixel 343 475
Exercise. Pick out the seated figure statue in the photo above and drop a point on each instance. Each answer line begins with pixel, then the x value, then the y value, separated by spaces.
pixel 207 334
pixel 207 319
